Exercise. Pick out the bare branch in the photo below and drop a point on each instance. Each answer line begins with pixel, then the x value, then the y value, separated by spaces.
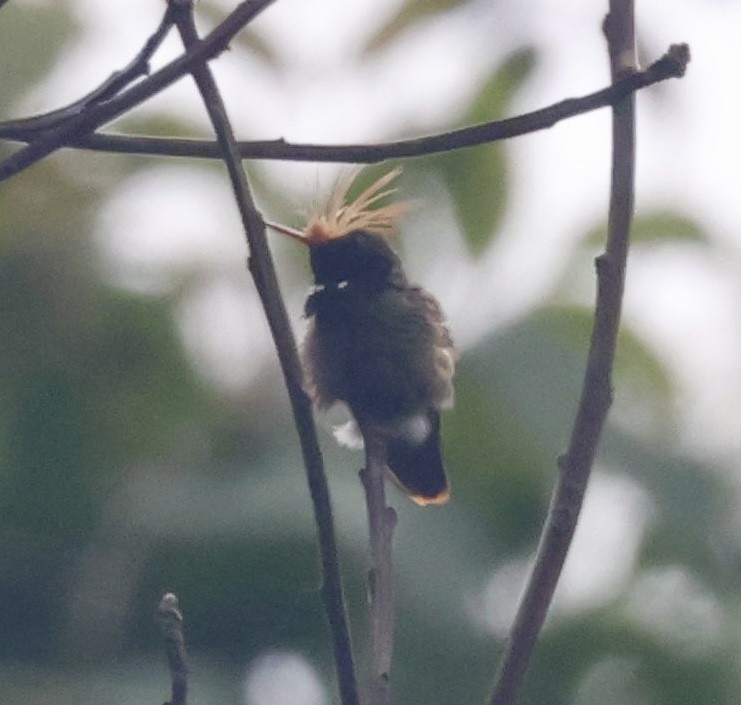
pixel 170 621
pixel 596 396
pixel 672 65
pixel 263 272
pixel 96 115
pixel 115 83
pixel 381 524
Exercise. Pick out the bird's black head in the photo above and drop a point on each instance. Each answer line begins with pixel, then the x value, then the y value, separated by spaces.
pixel 360 258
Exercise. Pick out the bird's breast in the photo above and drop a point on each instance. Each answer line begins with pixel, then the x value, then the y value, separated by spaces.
pixel 376 352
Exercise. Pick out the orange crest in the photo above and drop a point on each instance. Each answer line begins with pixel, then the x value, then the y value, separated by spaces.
pixel 338 218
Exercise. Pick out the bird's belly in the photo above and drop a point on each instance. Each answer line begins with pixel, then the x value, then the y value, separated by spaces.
pixel 382 368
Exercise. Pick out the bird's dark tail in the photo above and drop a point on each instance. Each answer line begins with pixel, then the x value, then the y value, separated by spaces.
pixel 419 468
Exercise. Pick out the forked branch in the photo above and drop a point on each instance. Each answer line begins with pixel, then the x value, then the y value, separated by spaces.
pixel 97 114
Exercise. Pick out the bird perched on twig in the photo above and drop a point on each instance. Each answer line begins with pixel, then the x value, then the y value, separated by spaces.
pixel 376 342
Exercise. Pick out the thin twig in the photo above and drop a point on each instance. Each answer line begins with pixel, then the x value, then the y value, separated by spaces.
pixel 596 396
pixel 263 272
pixel 96 115
pixel 115 83
pixel 671 65
pixel 381 524
pixel 170 621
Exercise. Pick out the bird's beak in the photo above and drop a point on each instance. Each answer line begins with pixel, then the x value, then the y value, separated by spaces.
pixel 291 232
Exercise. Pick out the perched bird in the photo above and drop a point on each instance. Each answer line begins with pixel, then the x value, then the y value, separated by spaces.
pixel 376 342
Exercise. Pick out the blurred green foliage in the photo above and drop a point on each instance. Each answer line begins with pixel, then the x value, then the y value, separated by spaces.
pixel 658 228
pixel 123 473
pixel 408 15
pixel 33 36
pixel 477 178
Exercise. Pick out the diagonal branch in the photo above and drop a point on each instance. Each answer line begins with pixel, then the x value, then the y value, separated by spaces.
pixel 671 65
pixel 263 272
pixel 596 396
pixel 78 126
pixel 115 83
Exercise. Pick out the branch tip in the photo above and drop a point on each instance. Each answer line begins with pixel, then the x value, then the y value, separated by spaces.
pixel 679 55
pixel 169 618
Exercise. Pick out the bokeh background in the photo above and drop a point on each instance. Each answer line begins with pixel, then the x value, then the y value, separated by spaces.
pixel 145 437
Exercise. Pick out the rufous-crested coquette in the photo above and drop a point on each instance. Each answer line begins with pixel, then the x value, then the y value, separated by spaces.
pixel 376 342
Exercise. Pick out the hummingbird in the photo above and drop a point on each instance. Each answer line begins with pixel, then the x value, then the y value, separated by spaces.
pixel 375 342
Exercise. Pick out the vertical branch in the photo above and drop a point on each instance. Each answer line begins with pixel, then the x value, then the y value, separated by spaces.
pixel 596 395
pixel 263 272
pixel 170 621
pixel 381 524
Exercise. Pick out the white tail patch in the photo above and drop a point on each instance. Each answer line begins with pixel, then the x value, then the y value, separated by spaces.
pixel 412 429
pixel 348 435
